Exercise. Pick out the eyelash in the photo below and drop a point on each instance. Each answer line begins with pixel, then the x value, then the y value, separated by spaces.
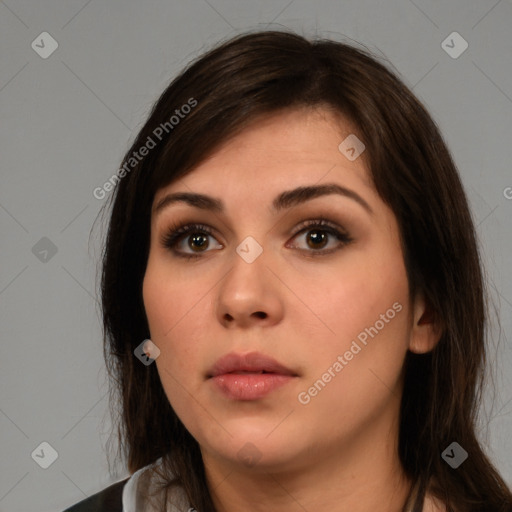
pixel 176 232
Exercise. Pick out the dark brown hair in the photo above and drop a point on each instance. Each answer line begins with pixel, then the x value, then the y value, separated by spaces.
pixel 260 73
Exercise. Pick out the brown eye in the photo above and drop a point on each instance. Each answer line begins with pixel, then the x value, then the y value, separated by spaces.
pixel 318 234
pixel 317 239
pixel 191 240
pixel 188 241
pixel 198 241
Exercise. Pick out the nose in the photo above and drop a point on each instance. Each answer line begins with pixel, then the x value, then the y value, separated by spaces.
pixel 249 294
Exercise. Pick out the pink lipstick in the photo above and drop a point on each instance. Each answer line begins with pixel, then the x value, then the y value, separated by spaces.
pixel 249 376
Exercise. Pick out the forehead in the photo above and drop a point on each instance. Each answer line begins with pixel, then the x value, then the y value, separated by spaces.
pixel 292 147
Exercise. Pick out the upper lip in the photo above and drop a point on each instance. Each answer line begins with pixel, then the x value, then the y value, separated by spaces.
pixel 252 362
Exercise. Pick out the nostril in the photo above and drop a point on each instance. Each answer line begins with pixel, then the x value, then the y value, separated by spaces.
pixel 260 314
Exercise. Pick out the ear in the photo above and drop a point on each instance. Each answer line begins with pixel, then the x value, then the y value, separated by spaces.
pixel 426 330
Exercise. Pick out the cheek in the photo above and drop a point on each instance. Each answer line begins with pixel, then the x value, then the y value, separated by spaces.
pixel 364 288
pixel 350 382
pixel 177 315
pixel 169 311
pixel 363 318
pixel 169 298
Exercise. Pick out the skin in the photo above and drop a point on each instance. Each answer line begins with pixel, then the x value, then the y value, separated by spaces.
pixel 338 452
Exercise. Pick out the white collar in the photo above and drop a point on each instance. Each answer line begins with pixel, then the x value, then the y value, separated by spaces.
pixel 132 498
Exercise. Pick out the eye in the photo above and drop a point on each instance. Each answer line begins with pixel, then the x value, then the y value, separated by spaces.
pixel 318 234
pixel 191 240
pixel 194 235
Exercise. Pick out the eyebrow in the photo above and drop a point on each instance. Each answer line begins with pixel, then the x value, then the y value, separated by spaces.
pixel 285 200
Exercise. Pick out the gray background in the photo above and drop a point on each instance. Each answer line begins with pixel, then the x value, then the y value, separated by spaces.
pixel 67 120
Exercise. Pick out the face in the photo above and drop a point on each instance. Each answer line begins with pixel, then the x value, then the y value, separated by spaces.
pixel 309 287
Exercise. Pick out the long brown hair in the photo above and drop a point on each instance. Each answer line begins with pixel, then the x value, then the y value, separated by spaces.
pixel 252 75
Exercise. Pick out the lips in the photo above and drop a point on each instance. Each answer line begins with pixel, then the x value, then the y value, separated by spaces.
pixel 253 362
pixel 248 376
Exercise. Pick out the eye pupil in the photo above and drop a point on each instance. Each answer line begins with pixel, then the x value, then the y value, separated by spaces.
pixel 201 240
pixel 317 237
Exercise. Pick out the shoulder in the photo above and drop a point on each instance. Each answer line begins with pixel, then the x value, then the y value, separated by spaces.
pixel 108 500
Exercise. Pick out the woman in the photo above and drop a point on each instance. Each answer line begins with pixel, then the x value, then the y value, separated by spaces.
pixel 292 294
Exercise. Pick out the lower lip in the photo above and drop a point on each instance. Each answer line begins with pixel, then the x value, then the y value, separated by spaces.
pixel 249 386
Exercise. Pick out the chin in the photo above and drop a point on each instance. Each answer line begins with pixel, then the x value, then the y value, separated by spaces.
pixel 256 450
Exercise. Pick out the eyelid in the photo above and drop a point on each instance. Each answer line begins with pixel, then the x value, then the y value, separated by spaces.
pixel 319 221
pixel 330 227
pixel 173 233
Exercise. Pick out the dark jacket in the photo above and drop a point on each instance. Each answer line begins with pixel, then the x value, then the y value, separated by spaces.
pixel 108 500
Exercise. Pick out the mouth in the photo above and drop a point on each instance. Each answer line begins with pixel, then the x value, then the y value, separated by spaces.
pixel 252 363
pixel 248 376
pixel 243 372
